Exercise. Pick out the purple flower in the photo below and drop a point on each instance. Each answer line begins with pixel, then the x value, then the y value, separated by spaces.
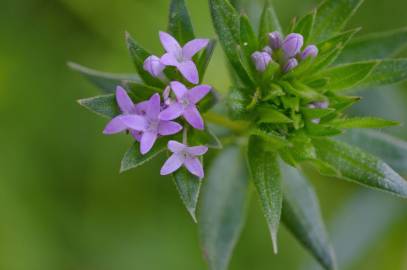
pixel 292 44
pixel 184 155
pixel 309 51
pixel 318 105
pixel 127 107
pixel 185 104
pixel 181 57
pixel 149 125
pixel 290 65
pixel 261 60
pixel 275 40
pixel 268 50
pixel 153 66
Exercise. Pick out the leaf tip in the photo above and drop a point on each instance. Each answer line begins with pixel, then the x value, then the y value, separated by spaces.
pixel 274 241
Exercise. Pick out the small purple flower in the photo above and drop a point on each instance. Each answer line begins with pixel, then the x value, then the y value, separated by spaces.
pixel 184 155
pixel 275 40
pixel 268 50
pixel 127 107
pixel 154 66
pixel 290 65
pixel 318 105
pixel 181 57
pixel 261 60
pixel 309 51
pixel 292 44
pixel 150 127
pixel 185 104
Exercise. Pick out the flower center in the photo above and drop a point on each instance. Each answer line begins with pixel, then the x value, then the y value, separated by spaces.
pixel 152 125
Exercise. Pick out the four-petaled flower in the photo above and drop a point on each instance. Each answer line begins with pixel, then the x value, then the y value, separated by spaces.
pixel 181 57
pixel 185 104
pixel 149 125
pixel 184 155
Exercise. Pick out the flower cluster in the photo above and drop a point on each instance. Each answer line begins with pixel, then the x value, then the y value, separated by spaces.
pixel 154 118
pixel 286 52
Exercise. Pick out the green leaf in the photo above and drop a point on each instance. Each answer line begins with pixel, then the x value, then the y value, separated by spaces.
pixel 141 92
pixel 301 215
pixel 204 137
pixel 332 16
pixel 133 158
pixel 223 207
pixel 138 55
pixel 374 46
pixel 320 130
pixel 269 115
pixel 275 141
pixel 179 22
pixel 360 167
pixel 316 113
pixel 268 22
pixel 386 72
pixel 363 122
pixel 265 172
pixel 390 149
pixel 105 105
pixel 205 58
pixel 188 187
pixel 226 22
pixel 248 39
pixel 348 75
pixel 305 26
pixel 107 82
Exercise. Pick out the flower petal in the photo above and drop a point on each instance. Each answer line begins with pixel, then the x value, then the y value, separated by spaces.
pixel 168 128
pixel 153 66
pixel 170 44
pixel 136 134
pixel 147 141
pixel 191 114
pixel 169 59
pixel 193 46
pixel 176 147
pixel 179 89
pixel 141 108
pixel 194 166
pixel 133 121
pixel 154 106
pixel 197 150
pixel 197 93
pixel 189 71
pixel 126 105
pixel 173 163
pixel 116 125
pixel 173 111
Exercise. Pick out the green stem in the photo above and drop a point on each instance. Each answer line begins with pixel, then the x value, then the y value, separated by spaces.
pixel 236 126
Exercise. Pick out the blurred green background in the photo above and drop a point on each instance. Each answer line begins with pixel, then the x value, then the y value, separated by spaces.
pixel 63 204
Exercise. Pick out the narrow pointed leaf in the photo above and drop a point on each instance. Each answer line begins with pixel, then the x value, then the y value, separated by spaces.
pixel 301 215
pixel 360 167
pixel 205 58
pixel 269 22
pixel 265 173
pixel 374 46
pixel 332 16
pixel 270 115
pixel 138 55
pixel 275 141
pixel 105 105
pixel 390 149
pixel 305 26
pixel 346 76
pixel 223 207
pixel 133 158
pixel 179 22
pixel 363 122
pixel 188 187
pixel 204 137
pixel 107 82
pixel 386 72
pixel 226 22
pixel 248 39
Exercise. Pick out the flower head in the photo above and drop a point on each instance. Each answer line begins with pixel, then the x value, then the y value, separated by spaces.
pixel 261 60
pixel 185 104
pixel 184 155
pixel 154 66
pixel 309 51
pixel 181 57
pixel 292 44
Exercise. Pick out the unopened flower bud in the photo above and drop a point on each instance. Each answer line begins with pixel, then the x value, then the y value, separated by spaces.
pixel 261 60
pixel 290 65
pixel 309 51
pixel 268 50
pixel 321 104
pixel 275 40
pixel 154 66
pixel 292 44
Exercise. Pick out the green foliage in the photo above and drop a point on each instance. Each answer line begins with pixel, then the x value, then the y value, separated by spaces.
pixel 386 72
pixel 269 22
pixel 179 22
pixel 133 158
pixel 105 105
pixel 222 215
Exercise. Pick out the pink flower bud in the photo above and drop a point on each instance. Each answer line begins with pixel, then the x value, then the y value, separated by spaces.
pixel 309 51
pixel 261 60
pixel 292 44
pixel 268 50
pixel 290 65
pixel 153 66
pixel 275 40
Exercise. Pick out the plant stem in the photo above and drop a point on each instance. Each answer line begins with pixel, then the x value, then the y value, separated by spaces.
pixel 235 126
